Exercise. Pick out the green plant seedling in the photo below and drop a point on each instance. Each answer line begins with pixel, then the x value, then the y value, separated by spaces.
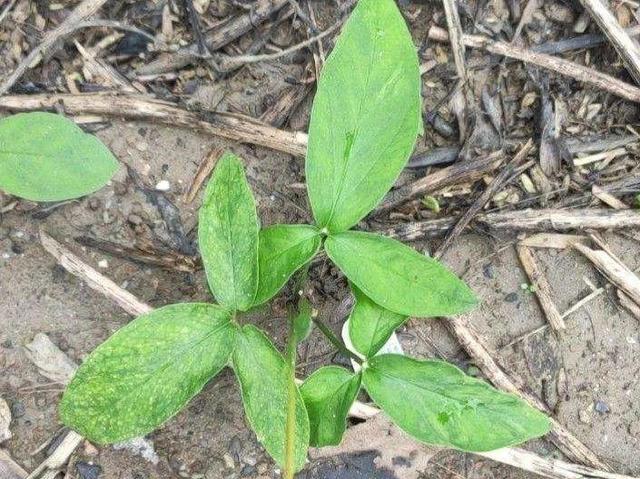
pixel 364 124
pixel 46 157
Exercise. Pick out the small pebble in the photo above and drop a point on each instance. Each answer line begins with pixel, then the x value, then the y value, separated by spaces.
pixel 90 449
pixel 235 447
pixel 18 409
pixel 511 297
pixel 87 470
pixel 163 185
pixel 487 271
pixel 119 189
pixel 249 460
pixel 94 204
pixel 248 471
pixel 134 219
pixel 584 417
pixel 602 407
pixel 228 461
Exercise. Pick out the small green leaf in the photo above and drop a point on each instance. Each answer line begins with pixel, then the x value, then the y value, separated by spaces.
pixel 365 117
pixel 437 403
pixel 302 322
pixel 371 325
pixel 228 235
pixel 283 250
pixel 328 394
pixel 431 202
pixel 147 371
pixel 264 380
pixel 46 157
pixel 397 277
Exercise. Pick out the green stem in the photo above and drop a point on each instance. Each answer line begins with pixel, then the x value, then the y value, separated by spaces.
pixel 324 329
pixel 290 428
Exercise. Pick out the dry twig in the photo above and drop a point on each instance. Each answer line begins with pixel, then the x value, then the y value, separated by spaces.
pixel 204 170
pixel 95 280
pixel 7 9
pixel 231 30
pixel 455 37
pixel 233 62
pixel 550 219
pixel 81 12
pixel 226 125
pixel 461 172
pixel 561 66
pixel 626 46
pixel 610 266
pixel 542 288
pixel 497 183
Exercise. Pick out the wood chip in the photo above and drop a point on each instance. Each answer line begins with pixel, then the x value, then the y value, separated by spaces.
pixel 585 160
pixel 608 198
pixel 615 271
pixel 50 360
pixel 204 170
pixel 542 288
pixel 9 469
pixel 552 240
pixel 5 421
pixel 629 304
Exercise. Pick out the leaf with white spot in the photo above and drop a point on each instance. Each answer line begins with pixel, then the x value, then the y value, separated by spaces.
pixel 147 371
pixel 371 325
pixel 283 250
pixel 437 403
pixel 264 381
pixel 397 277
pixel 328 394
pixel 228 235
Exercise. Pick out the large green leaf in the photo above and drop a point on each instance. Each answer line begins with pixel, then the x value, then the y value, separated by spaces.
pixel 397 277
pixel 46 157
pixel 264 381
pixel 228 235
pixel 371 325
pixel 365 117
pixel 283 250
pixel 147 371
pixel 328 394
pixel 437 403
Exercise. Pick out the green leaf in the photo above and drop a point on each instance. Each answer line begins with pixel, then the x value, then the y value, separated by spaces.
pixel 147 371
pixel 365 117
pixel 264 380
pixel 283 250
pixel 397 277
pixel 46 157
pixel 328 394
pixel 371 325
pixel 437 403
pixel 228 235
